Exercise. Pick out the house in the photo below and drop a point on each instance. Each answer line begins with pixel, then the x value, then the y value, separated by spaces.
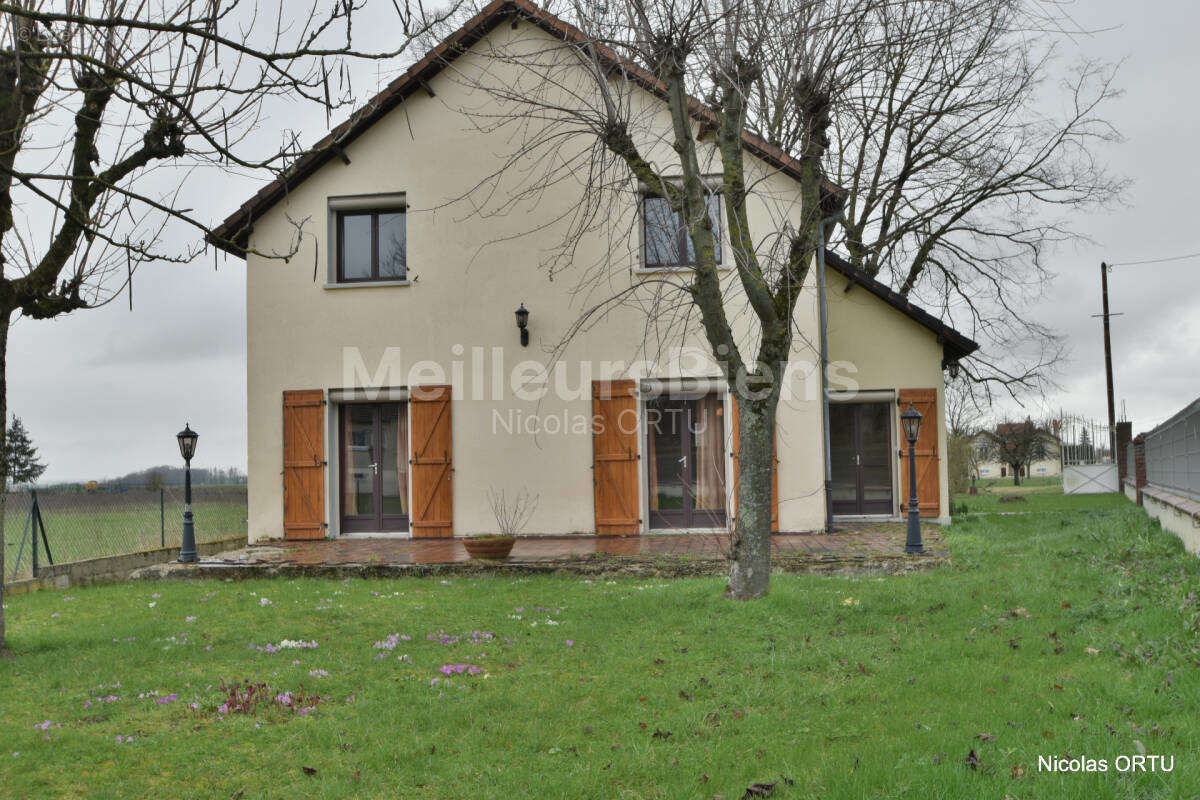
pixel 1050 466
pixel 389 387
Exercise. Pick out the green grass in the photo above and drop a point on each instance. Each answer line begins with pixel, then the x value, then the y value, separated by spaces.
pixel 851 688
pixel 80 525
pixel 1042 501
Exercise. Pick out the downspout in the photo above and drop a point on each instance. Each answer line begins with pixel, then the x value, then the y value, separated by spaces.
pixel 824 323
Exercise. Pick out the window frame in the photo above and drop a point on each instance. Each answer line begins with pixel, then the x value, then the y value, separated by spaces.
pixel 681 243
pixel 339 235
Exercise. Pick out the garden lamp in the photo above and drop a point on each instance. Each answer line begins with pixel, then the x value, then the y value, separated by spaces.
pixel 187 448
pixel 910 421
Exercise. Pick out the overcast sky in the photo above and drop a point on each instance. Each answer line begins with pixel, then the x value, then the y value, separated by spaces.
pixel 103 392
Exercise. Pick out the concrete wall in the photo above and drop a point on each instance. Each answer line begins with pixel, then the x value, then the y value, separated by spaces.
pixel 471 264
pixel 1175 519
pixel 1090 479
pixel 111 569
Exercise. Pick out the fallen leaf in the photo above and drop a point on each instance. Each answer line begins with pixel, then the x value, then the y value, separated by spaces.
pixel 309 770
pixel 1017 772
pixel 684 695
pixel 759 790
pixel 972 760
pixel 986 737
pixel 1091 651
pixel 659 733
pixel 1141 748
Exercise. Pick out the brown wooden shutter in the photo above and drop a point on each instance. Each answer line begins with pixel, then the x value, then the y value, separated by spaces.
pixel 432 463
pixel 928 481
pixel 736 451
pixel 615 457
pixel 303 464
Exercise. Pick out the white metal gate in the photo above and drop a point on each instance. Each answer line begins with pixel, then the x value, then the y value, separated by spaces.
pixel 1089 478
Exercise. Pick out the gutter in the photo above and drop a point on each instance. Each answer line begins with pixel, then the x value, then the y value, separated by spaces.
pixel 824 323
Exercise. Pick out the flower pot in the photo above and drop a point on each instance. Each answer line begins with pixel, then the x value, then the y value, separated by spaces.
pixel 495 547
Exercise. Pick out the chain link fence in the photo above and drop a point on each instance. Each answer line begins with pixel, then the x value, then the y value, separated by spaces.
pixel 1173 453
pixel 82 524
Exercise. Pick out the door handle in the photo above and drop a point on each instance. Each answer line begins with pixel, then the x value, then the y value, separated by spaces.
pixel 375 468
pixel 683 461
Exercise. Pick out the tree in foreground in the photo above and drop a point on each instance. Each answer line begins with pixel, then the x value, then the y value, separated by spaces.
pixel 108 108
pixel 1017 444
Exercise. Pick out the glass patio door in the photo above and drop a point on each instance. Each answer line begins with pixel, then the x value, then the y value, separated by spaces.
pixel 860 451
pixel 374 467
pixel 686 462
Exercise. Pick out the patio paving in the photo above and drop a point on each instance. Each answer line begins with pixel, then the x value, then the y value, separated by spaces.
pixel 852 549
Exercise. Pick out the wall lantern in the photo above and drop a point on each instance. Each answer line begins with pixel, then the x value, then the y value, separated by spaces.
pixel 523 324
pixel 910 421
pixel 187 448
pixel 953 368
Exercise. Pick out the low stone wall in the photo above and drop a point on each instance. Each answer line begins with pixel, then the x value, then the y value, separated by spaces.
pixel 111 569
pixel 1179 515
pixel 596 565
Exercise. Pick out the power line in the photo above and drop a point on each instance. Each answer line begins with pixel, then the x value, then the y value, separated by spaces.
pixel 1154 260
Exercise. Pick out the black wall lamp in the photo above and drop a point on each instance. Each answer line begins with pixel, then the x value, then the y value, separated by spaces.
pixel 523 324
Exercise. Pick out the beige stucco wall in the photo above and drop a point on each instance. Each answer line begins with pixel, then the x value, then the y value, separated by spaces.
pixel 454 323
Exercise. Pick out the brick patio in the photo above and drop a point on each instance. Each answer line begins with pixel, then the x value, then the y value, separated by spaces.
pixel 852 549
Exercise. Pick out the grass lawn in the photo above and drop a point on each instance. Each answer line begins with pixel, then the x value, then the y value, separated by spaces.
pixel 1053 634
pixel 1043 501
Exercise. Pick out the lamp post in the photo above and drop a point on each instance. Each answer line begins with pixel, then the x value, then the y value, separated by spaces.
pixel 910 420
pixel 187 448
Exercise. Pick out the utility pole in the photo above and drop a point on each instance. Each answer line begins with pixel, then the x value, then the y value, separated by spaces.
pixel 1112 411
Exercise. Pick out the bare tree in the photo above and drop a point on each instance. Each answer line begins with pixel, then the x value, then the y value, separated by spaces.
pixel 1017 444
pixel 578 114
pixel 963 160
pixel 106 109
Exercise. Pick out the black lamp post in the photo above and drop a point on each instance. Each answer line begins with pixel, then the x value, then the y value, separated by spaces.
pixel 187 448
pixel 910 420
pixel 523 324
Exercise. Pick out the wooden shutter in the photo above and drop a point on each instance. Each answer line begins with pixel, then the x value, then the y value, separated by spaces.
pixel 303 464
pixel 736 451
pixel 432 463
pixel 928 481
pixel 615 457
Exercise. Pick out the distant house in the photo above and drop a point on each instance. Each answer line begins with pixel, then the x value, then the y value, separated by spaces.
pixel 358 372
pixel 1048 467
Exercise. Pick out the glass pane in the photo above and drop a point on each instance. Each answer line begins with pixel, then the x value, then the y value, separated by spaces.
pixel 356 246
pixel 844 489
pixel 392 255
pixel 358 481
pixel 876 453
pixel 393 467
pixel 664 424
pixel 662 229
pixel 708 454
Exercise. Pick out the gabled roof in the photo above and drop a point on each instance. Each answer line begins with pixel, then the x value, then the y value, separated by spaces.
pixel 954 344
pixel 236 228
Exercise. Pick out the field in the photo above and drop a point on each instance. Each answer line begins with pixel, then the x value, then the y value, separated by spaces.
pixel 89 524
pixel 1053 634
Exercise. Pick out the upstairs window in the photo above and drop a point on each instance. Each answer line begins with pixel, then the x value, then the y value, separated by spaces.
pixel 667 243
pixel 371 245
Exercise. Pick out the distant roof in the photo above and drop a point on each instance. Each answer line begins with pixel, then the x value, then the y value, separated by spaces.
pixel 954 344
pixel 232 234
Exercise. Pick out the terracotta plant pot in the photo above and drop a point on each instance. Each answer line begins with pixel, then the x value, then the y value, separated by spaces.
pixel 493 547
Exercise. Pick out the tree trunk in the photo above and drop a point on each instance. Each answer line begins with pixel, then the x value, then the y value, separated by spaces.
pixel 4 320
pixel 750 571
pixel 1016 474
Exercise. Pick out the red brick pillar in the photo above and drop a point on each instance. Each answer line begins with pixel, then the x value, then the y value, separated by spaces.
pixel 1124 434
pixel 1139 464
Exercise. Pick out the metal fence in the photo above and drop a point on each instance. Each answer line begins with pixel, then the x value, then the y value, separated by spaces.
pixel 1083 440
pixel 81 524
pixel 1173 453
